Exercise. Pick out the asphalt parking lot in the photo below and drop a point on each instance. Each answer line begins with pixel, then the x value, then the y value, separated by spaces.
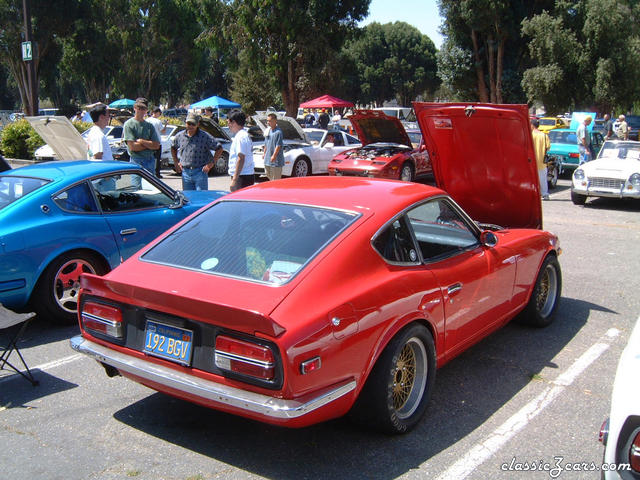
pixel 520 396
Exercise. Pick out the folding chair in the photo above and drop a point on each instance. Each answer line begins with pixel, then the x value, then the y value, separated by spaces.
pixel 18 323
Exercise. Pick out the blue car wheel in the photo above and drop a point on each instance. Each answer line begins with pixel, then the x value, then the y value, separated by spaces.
pixel 56 294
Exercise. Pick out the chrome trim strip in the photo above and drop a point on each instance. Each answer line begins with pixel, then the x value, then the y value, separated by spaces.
pixel 206 389
pixel 239 358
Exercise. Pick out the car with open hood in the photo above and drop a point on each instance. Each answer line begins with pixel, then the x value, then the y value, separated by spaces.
pixel 302 156
pixel 614 174
pixel 297 301
pixel 386 152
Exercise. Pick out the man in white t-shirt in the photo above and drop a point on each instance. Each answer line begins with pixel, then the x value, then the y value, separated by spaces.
pixel 241 153
pixel 98 147
pixel 160 127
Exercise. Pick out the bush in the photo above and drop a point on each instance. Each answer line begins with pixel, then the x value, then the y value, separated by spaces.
pixel 19 140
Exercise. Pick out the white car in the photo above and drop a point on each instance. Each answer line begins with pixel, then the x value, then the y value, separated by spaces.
pixel 302 156
pixel 45 153
pixel 620 433
pixel 614 174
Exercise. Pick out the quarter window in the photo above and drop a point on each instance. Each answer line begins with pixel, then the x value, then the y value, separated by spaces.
pixel 395 244
pixel 77 199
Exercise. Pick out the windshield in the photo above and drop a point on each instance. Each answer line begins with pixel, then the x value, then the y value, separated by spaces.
pixel 563 137
pixel 314 136
pixel 547 121
pixel 14 188
pixel 623 150
pixel 258 241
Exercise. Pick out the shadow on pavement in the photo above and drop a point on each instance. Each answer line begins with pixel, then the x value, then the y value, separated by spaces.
pixel 16 392
pixel 468 391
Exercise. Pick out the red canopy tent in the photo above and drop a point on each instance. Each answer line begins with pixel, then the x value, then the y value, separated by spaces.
pixel 326 101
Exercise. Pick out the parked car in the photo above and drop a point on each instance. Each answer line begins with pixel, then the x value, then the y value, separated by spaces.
pixel 615 173
pixel 620 433
pixel 407 284
pixel 175 112
pixel 386 152
pixel 549 123
pixel 120 152
pixel 564 145
pixel 301 156
pixel 45 153
pixel 60 219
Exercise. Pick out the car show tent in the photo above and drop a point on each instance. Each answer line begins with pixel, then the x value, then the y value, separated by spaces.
pixel 215 102
pixel 326 101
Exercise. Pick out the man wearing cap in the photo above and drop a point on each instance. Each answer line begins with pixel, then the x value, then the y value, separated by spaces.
pixel 191 152
pixel 141 137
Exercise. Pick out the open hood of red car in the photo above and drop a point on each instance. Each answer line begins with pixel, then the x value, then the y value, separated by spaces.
pixel 373 126
pixel 482 155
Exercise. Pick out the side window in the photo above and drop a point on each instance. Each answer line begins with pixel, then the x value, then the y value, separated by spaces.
pixel 76 199
pixel 395 244
pixel 131 191
pixel 440 230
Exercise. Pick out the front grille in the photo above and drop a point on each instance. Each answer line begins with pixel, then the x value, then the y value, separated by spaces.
pixel 614 183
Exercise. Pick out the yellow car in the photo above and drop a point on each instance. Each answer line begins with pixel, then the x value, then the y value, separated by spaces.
pixel 549 123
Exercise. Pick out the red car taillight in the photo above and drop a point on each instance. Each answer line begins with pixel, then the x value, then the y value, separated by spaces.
pixel 604 432
pixel 634 453
pixel 245 358
pixel 103 319
pixel 574 155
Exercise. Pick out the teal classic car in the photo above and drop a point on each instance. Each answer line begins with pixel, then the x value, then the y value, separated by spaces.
pixel 564 145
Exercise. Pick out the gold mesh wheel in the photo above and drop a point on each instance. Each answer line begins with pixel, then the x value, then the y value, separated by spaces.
pixel 409 377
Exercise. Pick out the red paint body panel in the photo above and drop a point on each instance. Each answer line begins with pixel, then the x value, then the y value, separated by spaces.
pixel 349 281
pixel 482 155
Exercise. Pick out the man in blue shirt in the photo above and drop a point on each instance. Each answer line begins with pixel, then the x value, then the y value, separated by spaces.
pixel 273 145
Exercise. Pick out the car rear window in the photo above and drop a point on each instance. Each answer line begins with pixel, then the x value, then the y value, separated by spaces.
pixel 258 241
pixel 13 188
pixel 563 137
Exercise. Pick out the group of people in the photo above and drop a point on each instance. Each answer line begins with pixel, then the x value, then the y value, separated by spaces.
pixel 321 119
pixel 191 149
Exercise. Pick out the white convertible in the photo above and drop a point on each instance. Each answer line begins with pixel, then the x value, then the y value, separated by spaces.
pixel 620 433
pixel 615 173
pixel 303 157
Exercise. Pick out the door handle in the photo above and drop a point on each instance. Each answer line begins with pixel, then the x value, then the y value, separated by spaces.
pixel 451 289
pixel 128 231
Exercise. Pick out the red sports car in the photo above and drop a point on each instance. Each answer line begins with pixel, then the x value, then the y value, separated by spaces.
pixel 297 301
pixel 387 151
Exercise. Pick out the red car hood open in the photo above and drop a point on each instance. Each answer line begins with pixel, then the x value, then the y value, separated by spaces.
pixel 373 126
pixel 482 155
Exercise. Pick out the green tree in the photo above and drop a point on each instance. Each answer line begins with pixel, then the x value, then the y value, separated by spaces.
pixel 393 60
pixel 484 42
pixel 48 24
pixel 284 37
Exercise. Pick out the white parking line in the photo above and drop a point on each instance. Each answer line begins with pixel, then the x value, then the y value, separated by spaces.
pixel 496 440
pixel 49 365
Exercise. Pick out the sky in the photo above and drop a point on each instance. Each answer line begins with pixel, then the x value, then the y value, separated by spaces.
pixel 422 14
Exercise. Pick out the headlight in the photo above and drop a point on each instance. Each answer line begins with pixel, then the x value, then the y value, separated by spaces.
pixel 578 174
pixel 635 180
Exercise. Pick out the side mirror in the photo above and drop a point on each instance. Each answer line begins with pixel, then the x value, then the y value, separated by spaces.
pixel 488 239
pixel 180 200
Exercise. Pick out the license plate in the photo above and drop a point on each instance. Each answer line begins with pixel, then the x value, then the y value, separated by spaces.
pixel 168 342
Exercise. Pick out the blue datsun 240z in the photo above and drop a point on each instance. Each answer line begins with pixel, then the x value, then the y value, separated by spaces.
pixel 60 219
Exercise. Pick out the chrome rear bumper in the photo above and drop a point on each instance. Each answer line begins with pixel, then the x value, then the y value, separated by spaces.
pixel 208 390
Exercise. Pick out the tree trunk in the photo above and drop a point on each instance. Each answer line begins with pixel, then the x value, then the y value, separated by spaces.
pixel 491 62
pixel 500 66
pixel 290 95
pixel 482 86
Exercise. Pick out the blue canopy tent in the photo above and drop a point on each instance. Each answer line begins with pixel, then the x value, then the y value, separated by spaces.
pixel 215 102
pixel 122 103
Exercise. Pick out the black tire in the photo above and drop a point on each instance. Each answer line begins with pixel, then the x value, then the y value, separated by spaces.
pixel 222 165
pixel 396 394
pixel 407 173
pixel 545 296
pixel 578 199
pixel 552 179
pixel 55 295
pixel 301 168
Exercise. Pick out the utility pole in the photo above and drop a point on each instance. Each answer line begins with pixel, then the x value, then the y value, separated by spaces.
pixel 29 54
